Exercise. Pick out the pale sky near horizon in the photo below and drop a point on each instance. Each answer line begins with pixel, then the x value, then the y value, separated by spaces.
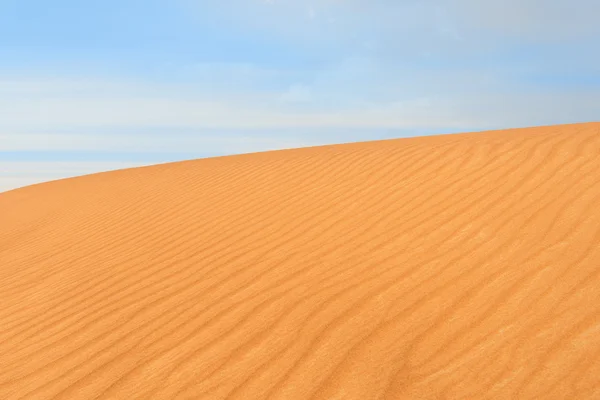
pixel 100 85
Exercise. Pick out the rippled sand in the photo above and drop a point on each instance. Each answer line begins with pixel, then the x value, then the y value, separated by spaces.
pixel 449 267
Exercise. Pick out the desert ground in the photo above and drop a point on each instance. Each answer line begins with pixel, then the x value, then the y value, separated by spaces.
pixel 462 266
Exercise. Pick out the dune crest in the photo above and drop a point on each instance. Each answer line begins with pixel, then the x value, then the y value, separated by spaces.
pixel 448 267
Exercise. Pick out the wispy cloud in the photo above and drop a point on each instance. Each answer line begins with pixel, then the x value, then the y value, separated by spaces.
pixel 76 108
pixel 211 142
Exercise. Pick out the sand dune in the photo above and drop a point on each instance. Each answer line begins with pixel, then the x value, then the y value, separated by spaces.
pixel 448 267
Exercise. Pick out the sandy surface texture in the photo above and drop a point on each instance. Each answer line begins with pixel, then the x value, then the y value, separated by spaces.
pixel 450 267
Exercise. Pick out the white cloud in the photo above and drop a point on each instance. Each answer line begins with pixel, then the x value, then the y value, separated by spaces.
pixel 55 108
pixel 38 114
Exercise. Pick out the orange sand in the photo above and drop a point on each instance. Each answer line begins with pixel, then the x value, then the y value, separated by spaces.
pixel 449 267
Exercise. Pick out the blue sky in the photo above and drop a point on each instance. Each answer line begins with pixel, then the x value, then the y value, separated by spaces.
pixel 98 85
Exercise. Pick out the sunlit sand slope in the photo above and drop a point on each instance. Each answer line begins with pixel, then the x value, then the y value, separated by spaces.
pixel 449 267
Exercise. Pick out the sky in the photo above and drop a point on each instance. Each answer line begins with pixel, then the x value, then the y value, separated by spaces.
pixel 89 86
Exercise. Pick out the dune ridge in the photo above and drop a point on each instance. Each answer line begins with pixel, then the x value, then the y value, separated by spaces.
pixel 461 266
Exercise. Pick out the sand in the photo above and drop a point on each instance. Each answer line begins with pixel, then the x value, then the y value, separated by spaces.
pixel 447 267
